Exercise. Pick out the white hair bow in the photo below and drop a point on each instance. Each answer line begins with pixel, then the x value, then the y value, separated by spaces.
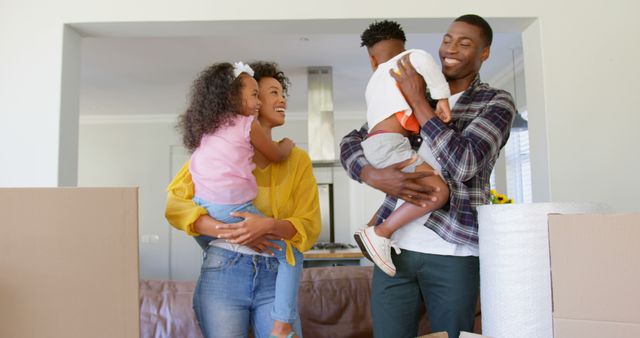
pixel 240 67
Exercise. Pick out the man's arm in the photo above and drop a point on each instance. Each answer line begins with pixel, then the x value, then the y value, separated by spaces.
pixel 390 180
pixel 463 154
pixel 351 154
pixel 460 153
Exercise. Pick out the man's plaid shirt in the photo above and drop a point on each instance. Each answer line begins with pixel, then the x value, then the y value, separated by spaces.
pixel 467 150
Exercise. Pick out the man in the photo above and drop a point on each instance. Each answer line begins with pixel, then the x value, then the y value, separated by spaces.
pixel 441 268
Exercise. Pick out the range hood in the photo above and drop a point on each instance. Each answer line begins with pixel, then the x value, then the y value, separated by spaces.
pixel 320 115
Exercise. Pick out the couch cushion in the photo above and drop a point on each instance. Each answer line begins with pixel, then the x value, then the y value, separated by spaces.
pixel 165 309
pixel 334 301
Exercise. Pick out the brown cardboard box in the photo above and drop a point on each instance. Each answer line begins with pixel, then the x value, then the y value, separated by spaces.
pixel 595 275
pixel 69 263
pixel 471 335
pixel 436 335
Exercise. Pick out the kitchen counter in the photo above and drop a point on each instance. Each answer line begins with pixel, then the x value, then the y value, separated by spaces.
pixel 352 253
pixel 332 257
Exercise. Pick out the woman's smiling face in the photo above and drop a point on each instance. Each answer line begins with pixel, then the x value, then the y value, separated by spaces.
pixel 274 103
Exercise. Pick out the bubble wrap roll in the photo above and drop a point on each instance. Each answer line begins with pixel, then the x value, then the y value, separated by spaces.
pixel 515 281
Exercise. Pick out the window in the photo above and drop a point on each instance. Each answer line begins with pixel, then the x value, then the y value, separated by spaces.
pixel 518 165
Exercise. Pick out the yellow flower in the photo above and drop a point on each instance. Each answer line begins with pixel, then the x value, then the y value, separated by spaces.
pixel 497 198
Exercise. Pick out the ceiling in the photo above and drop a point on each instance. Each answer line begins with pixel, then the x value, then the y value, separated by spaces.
pixel 133 69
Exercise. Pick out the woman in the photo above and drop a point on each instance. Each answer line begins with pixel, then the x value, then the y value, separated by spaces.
pixel 236 285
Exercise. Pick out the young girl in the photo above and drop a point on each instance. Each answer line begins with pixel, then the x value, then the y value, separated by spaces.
pixel 221 129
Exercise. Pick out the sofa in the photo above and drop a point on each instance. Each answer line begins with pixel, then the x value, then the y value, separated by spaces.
pixel 333 302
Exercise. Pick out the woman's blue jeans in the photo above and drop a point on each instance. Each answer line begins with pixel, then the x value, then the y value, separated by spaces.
pixel 236 290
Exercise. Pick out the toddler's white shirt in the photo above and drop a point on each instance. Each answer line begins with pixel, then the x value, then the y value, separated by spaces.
pixel 383 96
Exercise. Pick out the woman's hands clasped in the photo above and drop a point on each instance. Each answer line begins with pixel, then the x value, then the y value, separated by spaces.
pixel 254 231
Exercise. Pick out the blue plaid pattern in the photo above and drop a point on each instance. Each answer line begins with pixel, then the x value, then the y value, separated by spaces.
pixel 467 150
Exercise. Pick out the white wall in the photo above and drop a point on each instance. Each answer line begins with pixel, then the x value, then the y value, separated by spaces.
pixel 580 64
pixel 134 154
pixel 69 109
pixel 588 63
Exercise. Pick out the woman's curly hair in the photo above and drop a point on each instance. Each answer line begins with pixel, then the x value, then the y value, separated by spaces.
pixel 380 31
pixel 214 101
pixel 263 69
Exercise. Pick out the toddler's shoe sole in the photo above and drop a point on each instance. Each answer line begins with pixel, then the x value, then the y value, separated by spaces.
pixel 375 256
pixel 358 238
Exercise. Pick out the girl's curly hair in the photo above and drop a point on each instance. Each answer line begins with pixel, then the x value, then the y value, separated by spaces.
pixel 214 101
pixel 215 98
pixel 263 69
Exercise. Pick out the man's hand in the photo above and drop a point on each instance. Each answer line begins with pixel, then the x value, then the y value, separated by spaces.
pixel 393 181
pixel 412 86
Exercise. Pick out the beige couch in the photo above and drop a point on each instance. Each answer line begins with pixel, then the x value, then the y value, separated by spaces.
pixel 333 302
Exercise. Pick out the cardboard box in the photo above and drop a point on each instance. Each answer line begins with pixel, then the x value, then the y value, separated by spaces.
pixel 435 335
pixel 69 263
pixel 471 335
pixel 595 275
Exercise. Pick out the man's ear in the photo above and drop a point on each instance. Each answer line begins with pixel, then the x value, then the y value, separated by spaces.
pixel 485 53
pixel 373 61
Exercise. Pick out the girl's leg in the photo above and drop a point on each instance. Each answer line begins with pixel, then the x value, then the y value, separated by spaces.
pixel 222 294
pixel 285 308
pixel 263 301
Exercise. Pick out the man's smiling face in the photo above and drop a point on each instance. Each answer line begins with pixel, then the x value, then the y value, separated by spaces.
pixel 462 51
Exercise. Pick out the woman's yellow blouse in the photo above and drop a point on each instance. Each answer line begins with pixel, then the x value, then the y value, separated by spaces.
pixel 286 191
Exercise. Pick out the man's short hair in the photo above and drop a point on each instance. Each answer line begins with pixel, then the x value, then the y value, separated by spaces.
pixel 380 31
pixel 478 21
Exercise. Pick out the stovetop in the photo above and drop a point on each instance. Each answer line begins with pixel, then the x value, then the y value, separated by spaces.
pixel 330 246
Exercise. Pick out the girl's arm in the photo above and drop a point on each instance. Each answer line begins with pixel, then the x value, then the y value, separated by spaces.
pixel 263 143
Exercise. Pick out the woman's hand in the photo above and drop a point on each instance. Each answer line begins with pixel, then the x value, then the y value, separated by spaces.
pixel 250 230
pixel 264 245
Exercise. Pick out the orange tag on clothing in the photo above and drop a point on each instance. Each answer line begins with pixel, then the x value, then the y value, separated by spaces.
pixel 409 123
